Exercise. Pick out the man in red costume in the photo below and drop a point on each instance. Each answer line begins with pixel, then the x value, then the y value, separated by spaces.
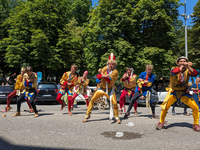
pixel 82 88
pixel 129 80
pixel 68 82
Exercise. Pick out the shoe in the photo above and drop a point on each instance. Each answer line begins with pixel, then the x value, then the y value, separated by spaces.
pixel 155 116
pixel 69 112
pixel 196 127
pixel 136 112
pixel 8 108
pixel 62 106
pixel 86 118
pixel 173 113
pixel 31 111
pixel 16 114
pixel 126 114
pixel 185 113
pixel 160 126
pixel 36 115
pixel 120 111
pixel 118 121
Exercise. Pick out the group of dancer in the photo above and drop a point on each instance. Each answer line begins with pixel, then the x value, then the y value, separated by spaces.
pixel 26 86
pixel 25 89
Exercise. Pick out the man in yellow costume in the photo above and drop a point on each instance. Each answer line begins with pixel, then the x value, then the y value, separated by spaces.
pixel 68 81
pixel 108 77
pixel 178 90
pixel 18 90
pixel 30 86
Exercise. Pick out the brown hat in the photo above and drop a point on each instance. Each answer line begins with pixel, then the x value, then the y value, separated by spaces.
pixel 182 57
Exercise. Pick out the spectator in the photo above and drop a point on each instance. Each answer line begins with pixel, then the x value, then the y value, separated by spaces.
pixel 7 84
pixel 58 85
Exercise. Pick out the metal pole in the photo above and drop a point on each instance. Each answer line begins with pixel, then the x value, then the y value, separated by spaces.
pixel 186 54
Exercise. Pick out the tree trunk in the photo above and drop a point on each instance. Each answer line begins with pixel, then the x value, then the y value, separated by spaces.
pixel 44 75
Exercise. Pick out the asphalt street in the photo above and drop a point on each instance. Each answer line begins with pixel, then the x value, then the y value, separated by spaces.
pixel 55 129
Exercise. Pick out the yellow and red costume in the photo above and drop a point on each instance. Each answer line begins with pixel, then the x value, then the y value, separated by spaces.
pixel 29 92
pixel 106 88
pixel 67 77
pixel 18 90
pixel 82 89
pixel 178 90
pixel 130 84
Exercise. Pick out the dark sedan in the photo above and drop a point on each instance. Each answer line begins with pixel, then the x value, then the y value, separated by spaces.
pixel 46 91
pixel 4 92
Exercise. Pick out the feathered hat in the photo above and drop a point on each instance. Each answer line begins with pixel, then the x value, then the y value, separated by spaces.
pixel 86 72
pixel 23 69
pixel 112 59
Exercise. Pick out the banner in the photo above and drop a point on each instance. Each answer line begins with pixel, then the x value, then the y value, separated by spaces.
pixel 39 77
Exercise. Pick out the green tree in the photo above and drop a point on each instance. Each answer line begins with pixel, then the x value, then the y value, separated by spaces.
pixel 129 29
pixel 194 40
pixel 34 34
pixel 5 7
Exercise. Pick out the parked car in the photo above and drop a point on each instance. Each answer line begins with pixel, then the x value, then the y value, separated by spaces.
pixel 46 91
pixel 139 101
pixel 4 92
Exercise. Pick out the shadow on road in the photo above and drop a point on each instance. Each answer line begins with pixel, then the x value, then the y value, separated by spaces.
pixel 5 145
pixel 180 124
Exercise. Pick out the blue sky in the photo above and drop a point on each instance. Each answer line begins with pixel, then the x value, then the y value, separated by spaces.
pixel 189 8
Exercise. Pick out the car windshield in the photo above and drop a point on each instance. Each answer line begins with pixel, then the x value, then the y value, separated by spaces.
pixel 47 86
pixel 6 88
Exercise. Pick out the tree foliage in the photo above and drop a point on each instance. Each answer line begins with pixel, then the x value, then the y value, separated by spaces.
pixel 131 29
pixel 36 33
pixel 194 38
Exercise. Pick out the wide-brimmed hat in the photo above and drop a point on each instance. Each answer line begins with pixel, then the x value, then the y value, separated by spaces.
pixel 182 57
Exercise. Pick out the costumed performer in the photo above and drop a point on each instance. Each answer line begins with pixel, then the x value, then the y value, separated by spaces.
pixel 108 79
pixel 82 88
pixel 68 82
pixel 129 80
pixel 178 90
pixel 143 90
pixel 30 86
pixel 18 90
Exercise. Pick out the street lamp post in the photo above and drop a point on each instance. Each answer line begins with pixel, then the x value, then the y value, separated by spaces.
pixel 186 17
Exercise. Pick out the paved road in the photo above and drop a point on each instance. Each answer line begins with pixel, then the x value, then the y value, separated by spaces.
pixel 55 129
